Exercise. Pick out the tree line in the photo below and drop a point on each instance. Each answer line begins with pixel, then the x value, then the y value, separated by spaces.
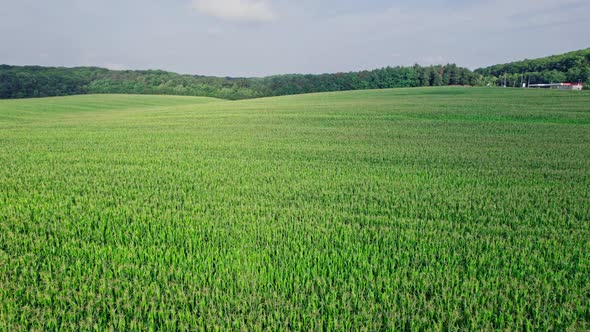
pixel 36 81
pixel 571 67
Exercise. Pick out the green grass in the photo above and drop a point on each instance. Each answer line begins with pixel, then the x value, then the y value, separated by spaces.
pixel 407 209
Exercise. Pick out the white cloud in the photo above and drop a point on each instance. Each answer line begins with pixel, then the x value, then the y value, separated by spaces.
pixel 237 10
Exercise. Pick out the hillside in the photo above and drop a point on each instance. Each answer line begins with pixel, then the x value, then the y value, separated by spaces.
pixel 34 81
pixel 569 67
pixel 404 209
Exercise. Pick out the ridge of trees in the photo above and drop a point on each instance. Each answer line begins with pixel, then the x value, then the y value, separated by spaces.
pixel 37 81
pixel 569 67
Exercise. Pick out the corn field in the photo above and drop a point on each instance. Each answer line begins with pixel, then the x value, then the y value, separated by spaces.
pixel 404 209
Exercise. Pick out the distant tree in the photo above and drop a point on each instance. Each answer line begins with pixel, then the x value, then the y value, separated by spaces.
pixel 34 81
pixel 554 76
pixel 425 75
pixel 572 66
pixel 437 76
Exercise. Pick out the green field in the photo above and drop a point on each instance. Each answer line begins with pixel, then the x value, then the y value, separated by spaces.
pixel 406 209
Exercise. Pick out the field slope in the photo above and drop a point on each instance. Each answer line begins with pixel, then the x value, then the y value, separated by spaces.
pixel 410 209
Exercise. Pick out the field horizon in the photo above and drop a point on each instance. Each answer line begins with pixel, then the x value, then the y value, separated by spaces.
pixel 400 209
pixel 444 89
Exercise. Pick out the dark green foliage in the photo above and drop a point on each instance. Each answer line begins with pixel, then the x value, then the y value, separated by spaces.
pixel 569 67
pixel 436 76
pixel 34 81
pixel 23 82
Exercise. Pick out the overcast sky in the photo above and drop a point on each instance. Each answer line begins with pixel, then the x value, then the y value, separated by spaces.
pixel 264 37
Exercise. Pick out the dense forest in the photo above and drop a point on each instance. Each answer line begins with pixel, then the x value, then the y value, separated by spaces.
pixel 35 81
pixel 569 67
pixel 32 81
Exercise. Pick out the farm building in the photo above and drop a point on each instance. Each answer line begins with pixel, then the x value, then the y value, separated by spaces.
pixel 560 86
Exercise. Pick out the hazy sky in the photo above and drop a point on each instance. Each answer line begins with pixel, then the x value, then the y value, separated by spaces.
pixel 262 37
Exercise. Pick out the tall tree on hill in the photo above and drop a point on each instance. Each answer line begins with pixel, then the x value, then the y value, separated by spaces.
pixel 425 74
pixel 436 77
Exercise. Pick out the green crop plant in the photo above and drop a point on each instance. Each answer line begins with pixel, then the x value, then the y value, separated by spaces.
pixel 406 209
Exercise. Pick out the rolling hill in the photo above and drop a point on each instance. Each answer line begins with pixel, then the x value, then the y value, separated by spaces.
pixel 403 209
